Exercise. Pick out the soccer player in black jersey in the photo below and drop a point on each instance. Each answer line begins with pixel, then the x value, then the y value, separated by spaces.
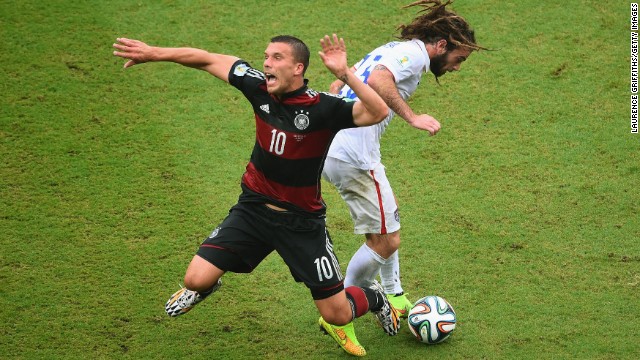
pixel 281 207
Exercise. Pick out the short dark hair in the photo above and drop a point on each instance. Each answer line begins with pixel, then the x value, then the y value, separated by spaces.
pixel 300 50
pixel 436 22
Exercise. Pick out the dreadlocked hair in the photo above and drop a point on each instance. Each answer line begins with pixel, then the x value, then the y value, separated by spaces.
pixel 436 22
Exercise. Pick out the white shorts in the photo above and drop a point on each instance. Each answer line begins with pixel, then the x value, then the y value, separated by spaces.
pixel 368 195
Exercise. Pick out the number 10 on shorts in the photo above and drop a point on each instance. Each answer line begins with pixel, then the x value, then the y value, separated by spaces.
pixel 323 265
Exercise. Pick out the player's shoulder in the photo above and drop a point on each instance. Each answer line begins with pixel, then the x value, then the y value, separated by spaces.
pixel 400 46
pixel 399 53
pixel 405 56
pixel 330 101
pixel 242 68
pixel 327 96
pixel 407 47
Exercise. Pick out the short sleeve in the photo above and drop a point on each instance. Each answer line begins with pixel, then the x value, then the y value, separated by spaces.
pixel 404 62
pixel 245 78
pixel 341 111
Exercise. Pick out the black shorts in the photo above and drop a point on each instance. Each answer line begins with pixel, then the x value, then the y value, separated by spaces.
pixel 252 231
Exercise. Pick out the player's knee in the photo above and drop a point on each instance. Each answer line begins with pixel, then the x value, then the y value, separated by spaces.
pixel 335 310
pixel 394 241
pixel 384 245
pixel 198 282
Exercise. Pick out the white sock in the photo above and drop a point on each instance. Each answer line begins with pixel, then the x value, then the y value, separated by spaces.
pixel 390 275
pixel 363 267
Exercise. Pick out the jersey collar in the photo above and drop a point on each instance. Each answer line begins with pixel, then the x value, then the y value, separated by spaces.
pixel 292 94
pixel 423 48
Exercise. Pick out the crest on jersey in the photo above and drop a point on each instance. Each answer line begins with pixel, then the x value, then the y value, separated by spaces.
pixel 214 233
pixel 301 121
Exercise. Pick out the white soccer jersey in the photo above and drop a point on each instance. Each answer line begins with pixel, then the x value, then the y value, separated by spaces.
pixel 407 61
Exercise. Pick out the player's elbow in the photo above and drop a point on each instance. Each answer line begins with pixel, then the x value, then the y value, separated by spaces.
pixel 372 116
pixel 380 113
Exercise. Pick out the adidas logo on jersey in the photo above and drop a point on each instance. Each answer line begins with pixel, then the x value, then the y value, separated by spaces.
pixel 265 108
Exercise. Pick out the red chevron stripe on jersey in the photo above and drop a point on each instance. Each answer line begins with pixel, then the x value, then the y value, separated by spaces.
pixel 307 197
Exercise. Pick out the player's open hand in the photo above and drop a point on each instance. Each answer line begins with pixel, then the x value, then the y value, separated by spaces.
pixel 334 55
pixel 135 51
pixel 425 122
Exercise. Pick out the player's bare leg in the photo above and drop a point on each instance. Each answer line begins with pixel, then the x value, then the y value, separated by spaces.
pixel 201 280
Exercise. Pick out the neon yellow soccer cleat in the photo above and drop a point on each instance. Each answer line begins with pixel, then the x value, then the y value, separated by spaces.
pixel 345 336
pixel 401 304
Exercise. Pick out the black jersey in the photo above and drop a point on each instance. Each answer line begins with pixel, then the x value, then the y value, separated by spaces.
pixel 293 134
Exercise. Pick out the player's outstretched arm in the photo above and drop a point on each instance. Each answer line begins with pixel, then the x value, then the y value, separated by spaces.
pixel 383 82
pixel 371 109
pixel 137 52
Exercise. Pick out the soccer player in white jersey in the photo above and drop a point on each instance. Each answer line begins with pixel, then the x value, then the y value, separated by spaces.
pixel 438 40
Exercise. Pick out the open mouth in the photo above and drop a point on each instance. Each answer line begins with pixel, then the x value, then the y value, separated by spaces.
pixel 271 79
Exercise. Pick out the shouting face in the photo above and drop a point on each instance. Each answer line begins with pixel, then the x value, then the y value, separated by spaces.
pixel 282 72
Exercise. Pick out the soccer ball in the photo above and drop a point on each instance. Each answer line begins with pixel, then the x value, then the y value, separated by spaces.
pixel 432 319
